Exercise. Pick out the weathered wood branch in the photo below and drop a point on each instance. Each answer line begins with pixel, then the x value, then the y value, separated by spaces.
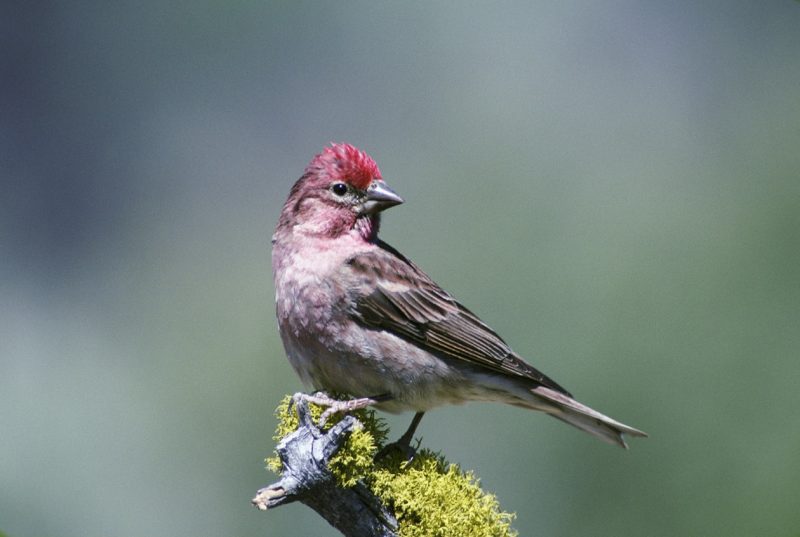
pixel 305 455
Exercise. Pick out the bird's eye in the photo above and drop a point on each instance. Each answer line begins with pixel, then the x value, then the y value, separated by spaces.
pixel 340 189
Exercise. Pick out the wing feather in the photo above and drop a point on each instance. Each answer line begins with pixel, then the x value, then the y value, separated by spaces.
pixel 396 296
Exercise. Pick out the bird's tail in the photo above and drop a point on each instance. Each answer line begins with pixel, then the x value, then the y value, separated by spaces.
pixel 567 409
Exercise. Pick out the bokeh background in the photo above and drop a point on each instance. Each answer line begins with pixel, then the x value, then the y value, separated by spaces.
pixel 613 186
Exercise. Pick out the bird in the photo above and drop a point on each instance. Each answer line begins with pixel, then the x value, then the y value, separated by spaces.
pixel 358 317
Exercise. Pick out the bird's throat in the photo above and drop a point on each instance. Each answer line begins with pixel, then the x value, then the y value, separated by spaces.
pixel 368 226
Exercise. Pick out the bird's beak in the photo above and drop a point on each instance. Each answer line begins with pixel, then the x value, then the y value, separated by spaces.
pixel 380 197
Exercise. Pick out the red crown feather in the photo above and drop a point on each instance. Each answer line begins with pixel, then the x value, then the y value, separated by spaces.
pixel 346 163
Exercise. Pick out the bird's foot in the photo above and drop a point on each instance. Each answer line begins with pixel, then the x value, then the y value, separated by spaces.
pixel 335 406
pixel 401 447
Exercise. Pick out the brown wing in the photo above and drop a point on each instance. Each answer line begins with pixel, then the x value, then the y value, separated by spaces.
pixel 411 306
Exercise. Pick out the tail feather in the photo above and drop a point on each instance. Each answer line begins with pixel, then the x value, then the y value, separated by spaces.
pixel 587 419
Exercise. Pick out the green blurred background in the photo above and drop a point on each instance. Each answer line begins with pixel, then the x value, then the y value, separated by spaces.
pixel 613 186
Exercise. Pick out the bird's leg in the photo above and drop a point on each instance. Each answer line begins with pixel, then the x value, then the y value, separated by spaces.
pixel 335 405
pixel 408 436
pixel 403 443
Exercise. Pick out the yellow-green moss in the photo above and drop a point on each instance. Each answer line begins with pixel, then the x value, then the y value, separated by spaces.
pixel 429 496
pixel 432 498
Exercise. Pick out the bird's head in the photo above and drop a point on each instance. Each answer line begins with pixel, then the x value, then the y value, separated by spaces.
pixel 340 191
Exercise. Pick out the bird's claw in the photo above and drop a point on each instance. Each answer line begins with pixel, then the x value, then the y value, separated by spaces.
pixel 334 406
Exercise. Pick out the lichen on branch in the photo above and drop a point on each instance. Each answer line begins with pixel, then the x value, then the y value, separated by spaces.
pixel 427 496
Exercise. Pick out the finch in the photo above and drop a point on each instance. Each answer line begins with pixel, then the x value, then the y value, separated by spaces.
pixel 358 317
